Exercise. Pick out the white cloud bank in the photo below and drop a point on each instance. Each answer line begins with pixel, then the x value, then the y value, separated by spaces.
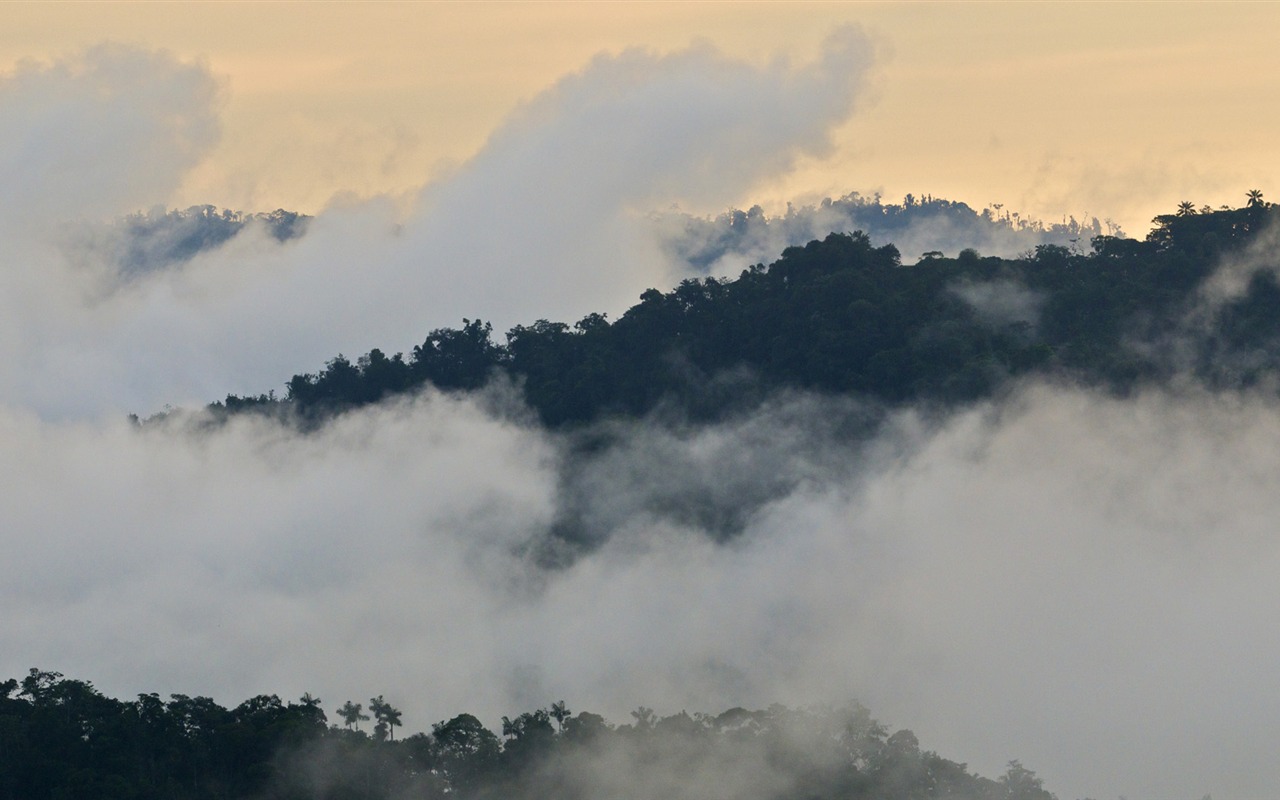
pixel 1081 583
pixel 546 221
pixel 105 131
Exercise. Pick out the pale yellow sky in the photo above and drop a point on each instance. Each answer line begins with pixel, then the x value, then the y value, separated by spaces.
pixel 1112 109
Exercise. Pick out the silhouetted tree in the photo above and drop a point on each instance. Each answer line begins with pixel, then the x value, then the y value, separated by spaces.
pixel 352 714
pixel 560 712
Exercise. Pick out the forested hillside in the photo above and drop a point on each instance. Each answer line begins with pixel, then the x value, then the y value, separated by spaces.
pixel 144 242
pixel 916 226
pixel 61 738
pixel 843 316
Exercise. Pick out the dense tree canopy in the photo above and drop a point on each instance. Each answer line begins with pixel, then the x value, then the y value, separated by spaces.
pixel 1197 299
pixel 61 738
pixel 157 239
pixel 843 316
pixel 918 225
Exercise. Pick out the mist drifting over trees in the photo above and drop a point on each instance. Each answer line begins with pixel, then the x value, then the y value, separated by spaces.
pixel 724 244
pixel 800 374
pixel 63 738
pixel 1009 484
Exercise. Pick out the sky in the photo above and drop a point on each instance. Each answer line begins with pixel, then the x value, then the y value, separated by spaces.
pixel 1057 577
pixel 1116 110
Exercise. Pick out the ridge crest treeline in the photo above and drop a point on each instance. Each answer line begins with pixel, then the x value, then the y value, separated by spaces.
pixel 842 316
pixel 62 739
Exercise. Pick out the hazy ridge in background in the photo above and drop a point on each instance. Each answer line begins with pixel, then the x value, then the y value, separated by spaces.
pixel 1057 576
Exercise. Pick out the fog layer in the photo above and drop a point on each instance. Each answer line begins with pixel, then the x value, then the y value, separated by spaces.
pixel 1079 582
pixel 547 220
pixel 1064 579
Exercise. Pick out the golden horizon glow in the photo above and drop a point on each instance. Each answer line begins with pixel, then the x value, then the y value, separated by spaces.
pixel 1106 109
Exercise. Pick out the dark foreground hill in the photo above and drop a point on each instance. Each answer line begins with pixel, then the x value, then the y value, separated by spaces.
pixel 840 316
pixel 61 738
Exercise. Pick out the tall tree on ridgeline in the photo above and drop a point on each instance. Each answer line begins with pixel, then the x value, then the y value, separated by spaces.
pixel 352 714
pixel 387 716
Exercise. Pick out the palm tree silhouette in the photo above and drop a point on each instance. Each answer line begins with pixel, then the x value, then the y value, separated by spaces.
pixel 560 712
pixel 387 716
pixel 351 714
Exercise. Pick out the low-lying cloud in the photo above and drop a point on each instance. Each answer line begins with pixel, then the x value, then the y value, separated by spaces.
pixel 735 240
pixel 106 131
pixel 547 220
pixel 1008 583
pixel 1080 582
pixel 1001 302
